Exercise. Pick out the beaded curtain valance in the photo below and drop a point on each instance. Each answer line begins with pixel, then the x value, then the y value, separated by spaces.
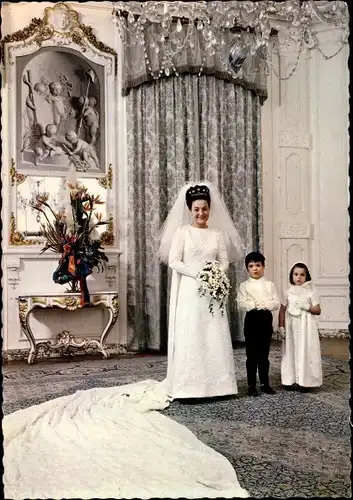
pixel 231 40
pixel 153 50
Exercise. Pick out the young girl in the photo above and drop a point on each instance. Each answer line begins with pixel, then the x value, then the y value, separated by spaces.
pixel 301 356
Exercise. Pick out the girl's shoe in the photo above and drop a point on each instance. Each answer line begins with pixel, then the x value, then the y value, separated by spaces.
pixel 289 387
pixel 303 389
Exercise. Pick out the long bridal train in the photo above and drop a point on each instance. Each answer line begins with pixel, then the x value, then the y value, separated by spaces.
pixel 110 443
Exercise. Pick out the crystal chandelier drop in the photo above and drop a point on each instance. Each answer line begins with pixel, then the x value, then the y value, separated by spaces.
pixel 238 33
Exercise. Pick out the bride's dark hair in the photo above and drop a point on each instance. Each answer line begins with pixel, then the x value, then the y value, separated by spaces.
pixel 197 193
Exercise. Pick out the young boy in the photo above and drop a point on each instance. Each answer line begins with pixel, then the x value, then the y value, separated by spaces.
pixel 258 297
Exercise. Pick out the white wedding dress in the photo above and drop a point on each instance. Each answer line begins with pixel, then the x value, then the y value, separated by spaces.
pixel 200 354
pixel 110 443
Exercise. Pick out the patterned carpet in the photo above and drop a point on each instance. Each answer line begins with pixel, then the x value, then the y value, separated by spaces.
pixel 282 446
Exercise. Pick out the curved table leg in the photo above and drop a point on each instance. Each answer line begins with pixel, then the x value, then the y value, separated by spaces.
pixel 32 341
pixel 102 347
pixel 113 316
pixel 24 312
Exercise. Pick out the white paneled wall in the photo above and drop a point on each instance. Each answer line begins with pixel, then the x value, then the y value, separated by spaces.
pixel 329 156
pixel 305 132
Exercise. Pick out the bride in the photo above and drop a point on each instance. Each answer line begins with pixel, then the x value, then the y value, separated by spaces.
pixel 200 354
pixel 110 442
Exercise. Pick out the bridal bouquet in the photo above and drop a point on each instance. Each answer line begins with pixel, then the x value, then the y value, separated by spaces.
pixel 214 283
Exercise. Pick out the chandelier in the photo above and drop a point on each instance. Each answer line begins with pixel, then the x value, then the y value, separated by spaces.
pixel 242 35
pixel 24 203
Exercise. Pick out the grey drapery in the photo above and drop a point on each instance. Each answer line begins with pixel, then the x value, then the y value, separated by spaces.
pixel 180 129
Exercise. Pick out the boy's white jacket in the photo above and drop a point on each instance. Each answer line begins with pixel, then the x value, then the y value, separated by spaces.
pixel 257 294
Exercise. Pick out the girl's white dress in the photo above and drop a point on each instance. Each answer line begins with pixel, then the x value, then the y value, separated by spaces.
pixel 301 354
pixel 200 354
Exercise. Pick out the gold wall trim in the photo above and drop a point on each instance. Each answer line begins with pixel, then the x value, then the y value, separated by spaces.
pixel 108 237
pixel 16 178
pixel 17 239
pixel 44 29
pixel 107 181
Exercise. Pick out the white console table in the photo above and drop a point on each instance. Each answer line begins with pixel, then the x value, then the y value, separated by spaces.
pixel 70 302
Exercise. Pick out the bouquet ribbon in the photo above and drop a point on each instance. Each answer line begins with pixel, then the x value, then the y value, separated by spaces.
pixel 72 266
pixel 85 298
pixel 77 268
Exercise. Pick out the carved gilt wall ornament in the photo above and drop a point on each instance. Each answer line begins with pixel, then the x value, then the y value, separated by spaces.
pixel 18 239
pixel 108 237
pixel 16 178
pixel 107 181
pixel 62 22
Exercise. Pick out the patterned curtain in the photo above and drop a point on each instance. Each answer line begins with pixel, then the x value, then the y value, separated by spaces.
pixel 231 157
pixel 180 129
pixel 162 156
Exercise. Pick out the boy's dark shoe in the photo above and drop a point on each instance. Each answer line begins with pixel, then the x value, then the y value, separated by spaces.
pixel 267 389
pixel 252 391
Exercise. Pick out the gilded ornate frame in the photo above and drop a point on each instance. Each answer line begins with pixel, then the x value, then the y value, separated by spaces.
pixel 59 27
pixel 40 30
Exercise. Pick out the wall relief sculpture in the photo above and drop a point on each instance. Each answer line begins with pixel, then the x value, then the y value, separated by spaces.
pixel 61 80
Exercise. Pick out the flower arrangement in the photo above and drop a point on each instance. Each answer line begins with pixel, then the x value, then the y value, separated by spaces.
pixel 72 232
pixel 214 282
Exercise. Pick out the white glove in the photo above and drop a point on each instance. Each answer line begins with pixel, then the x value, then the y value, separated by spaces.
pixel 304 304
pixel 282 332
pixel 260 305
pixel 293 308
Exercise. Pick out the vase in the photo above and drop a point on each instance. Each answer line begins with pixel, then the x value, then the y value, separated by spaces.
pixel 85 298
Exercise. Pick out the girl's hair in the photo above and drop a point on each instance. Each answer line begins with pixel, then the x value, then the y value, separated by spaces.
pixel 301 266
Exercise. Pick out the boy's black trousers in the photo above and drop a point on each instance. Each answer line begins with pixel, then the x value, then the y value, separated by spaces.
pixel 258 333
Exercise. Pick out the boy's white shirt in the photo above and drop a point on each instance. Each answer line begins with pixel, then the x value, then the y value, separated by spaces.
pixel 257 294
